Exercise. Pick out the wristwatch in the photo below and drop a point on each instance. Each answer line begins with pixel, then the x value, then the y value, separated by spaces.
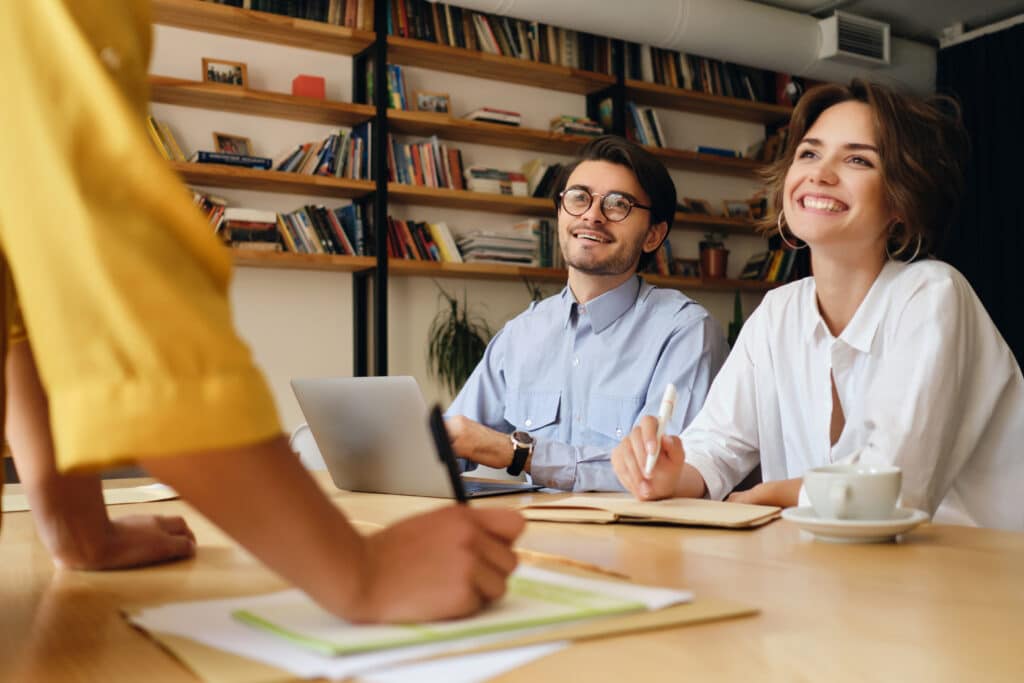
pixel 522 449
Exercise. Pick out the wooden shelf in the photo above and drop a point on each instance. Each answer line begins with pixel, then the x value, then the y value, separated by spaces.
pixel 262 26
pixel 656 95
pixel 218 175
pixel 705 163
pixel 472 201
pixel 256 102
pixel 702 223
pixel 473 271
pixel 709 285
pixel 493 134
pixel 423 54
pixel 292 261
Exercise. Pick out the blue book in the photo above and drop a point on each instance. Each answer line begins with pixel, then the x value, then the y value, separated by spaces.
pixel 718 151
pixel 231 159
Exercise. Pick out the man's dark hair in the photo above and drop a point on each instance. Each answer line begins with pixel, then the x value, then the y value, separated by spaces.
pixel 650 173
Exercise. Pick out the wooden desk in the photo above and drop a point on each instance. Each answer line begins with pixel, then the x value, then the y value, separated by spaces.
pixel 946 604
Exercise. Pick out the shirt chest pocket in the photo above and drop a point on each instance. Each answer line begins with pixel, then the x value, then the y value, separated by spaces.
pixel 613 416
pixel 533 410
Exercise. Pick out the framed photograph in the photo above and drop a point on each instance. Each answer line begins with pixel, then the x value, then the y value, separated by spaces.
pixel 232 144
pixel 438 102
pixel 737 208
pixel 686 267
pixel 225 72
pixel 697 205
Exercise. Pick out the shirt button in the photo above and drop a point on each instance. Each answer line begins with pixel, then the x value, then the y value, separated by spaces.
pixel 111 57
pixel 618 433
pixel 576 361
pixel 529 422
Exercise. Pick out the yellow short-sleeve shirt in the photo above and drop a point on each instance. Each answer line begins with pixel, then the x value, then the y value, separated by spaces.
pixel 120 284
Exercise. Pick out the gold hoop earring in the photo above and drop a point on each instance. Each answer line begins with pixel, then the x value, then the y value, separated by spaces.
pixel 782 236
pixel 917 250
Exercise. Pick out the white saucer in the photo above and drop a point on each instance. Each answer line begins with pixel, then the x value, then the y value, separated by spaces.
pixel 855 530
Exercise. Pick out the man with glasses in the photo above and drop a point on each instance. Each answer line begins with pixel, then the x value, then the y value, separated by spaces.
pixel 562 383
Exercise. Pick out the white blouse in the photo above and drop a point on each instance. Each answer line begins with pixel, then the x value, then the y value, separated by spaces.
pixel 925 381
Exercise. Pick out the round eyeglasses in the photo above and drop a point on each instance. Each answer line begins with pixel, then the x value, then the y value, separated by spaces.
pixel 615 206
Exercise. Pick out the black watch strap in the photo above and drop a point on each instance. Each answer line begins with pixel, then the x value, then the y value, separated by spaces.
pixel 521 449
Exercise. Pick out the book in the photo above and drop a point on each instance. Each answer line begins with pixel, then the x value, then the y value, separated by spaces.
pixel 203 157
pixel 489 115
pixel 536 597
pixel 608 508
pixel 717 151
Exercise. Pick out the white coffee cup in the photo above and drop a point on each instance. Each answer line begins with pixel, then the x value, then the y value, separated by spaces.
pixel 867 492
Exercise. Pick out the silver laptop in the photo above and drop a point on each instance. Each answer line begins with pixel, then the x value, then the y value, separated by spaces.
pixel 374 436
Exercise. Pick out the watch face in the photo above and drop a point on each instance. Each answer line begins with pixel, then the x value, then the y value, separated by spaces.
pixel 522 438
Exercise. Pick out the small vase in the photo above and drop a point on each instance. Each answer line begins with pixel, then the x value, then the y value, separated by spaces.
pixel 713 261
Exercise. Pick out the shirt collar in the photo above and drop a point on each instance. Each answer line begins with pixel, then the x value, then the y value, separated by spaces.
pixel 607 308
pixel 860 332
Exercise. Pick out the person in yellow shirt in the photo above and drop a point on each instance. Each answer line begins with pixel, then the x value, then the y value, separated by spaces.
pixel 120 348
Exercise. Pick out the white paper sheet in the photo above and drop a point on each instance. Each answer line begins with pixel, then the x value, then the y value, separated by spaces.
pixel 210 622
pixel 467 669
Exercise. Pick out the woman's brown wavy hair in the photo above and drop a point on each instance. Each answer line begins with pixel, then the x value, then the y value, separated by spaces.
pixel 923 147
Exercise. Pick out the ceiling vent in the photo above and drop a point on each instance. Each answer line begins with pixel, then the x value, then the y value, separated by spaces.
pixel 855 40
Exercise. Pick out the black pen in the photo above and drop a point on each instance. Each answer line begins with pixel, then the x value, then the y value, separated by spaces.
pixel 444 452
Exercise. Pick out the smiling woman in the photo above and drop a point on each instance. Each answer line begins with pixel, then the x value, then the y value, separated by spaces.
pixel 883 357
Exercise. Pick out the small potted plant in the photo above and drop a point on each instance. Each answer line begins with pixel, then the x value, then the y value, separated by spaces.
pixel 456 342
pixel 714 256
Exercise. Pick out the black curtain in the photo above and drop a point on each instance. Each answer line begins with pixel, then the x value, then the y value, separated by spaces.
pixel 987 76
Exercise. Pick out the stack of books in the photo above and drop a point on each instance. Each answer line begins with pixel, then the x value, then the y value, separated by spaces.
pixel 770 266
pixel 495 181
pixel 344 153
pixel 519 248
pixel 540 177
pixel 163 139
pixel 251 229
pixel 545 235
pixel 420 241
pixel 314 229
pixel 428 163
pixel 576 125
pixel 642 126
pixel 491 115
pixel 212 207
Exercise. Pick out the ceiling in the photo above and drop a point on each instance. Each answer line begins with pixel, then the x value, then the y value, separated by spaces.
pixel 920 20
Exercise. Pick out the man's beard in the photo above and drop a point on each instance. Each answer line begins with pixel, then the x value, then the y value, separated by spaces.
pixel 616 263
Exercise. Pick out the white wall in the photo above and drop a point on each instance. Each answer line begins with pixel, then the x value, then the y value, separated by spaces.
pixel 299 323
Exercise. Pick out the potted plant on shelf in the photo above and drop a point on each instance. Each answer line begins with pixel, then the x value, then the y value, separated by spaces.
pixel 456 342
pixel 713 255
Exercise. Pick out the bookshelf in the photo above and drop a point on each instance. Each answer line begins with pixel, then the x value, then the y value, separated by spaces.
pixel 262 26
pixel 239 178
pixel 419 53
pixel 377 196
pixel 472 271
pixel 190 93
pixel 657 95
pixel 217 175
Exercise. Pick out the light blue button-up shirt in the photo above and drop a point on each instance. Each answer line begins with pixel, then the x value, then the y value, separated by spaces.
pixel 578 377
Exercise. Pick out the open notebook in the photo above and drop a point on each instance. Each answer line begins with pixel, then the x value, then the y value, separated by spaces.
pixel 604 508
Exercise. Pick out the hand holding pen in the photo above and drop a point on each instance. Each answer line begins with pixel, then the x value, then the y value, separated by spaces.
pixel 647 463
pixel 668 405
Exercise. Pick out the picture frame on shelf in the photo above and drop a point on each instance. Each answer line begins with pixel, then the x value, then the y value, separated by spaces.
pixel 686 267
pixel 437 102
pixel 225 72
pixel 737 208
pixel 232 144
pixel 701 206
